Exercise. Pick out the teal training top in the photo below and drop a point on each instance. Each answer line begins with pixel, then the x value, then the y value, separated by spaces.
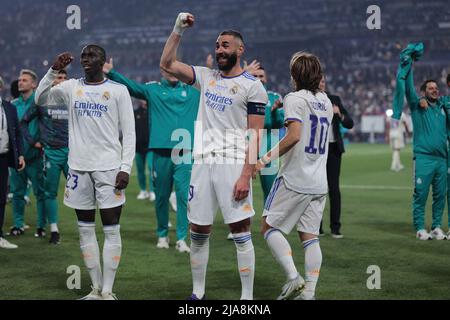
pixel 445 101
pixel 170 106
pixel 272 120
pixel 430 124
pixel 22 106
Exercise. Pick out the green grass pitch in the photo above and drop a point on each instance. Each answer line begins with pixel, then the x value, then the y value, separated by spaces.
pixel 377 225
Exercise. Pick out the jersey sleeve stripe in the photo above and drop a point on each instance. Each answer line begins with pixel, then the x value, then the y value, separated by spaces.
pixel 195 77
pixel 293 119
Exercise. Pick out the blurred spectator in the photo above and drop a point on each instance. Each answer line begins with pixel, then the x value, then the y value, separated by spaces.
pixel 11 155
pixel 341 117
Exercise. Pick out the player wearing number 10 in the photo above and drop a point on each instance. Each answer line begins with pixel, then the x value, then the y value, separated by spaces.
pixel 298 195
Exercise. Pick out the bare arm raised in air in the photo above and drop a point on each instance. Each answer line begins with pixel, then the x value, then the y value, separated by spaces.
pixel 169 62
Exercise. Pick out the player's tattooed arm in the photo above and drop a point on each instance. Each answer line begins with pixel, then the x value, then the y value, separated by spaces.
pixel 62 61
pixel 242 185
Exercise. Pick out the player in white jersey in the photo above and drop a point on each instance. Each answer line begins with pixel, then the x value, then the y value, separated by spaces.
pixel 99 163
pixel 231 101
pixel 397 129
pixel 298 195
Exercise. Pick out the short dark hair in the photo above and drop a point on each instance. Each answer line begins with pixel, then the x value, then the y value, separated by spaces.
pixel 97 47
pixel 423 87
pixel 306 71
pixel 14 89
pixel 233 33
pixel 62 71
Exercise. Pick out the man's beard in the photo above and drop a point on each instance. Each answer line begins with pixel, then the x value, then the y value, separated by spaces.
pixel 231 61
pixel 432 99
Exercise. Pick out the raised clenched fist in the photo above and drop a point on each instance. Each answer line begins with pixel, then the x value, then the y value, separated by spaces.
pixel 184 20
pixel 62 61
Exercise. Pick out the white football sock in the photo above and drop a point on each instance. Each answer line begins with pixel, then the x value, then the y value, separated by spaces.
pixel 282 252
pixel 90 252
pixel 313 262
pixel 246 262
pixel 396 159
pixel 112 250
pixel 54 227
pixel 199 261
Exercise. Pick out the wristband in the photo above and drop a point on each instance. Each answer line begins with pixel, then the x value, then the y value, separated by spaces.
pixel 265 160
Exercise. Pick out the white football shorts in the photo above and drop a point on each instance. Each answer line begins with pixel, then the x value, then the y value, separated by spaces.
pixel 87 189
pixel 286 208
pixel 397 142
pixel 211 188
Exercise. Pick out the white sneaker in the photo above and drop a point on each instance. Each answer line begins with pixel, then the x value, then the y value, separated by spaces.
pixel 182 246
pixel 5 244
pixel 173 201
pixel 169 224
pixel 151 196
pixel 337 235
pixel 438 234
pixel 95 294
pixel 109 296
pixel 142 195
pixel 27 200
pixel 448 235
pixel 230 236
pixel 163 243
pixel 291 288
pixel 422 234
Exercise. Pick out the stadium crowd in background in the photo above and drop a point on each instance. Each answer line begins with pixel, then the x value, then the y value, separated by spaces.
pixel 360 63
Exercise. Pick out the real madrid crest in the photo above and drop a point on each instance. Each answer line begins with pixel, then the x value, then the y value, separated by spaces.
pixel 79 92
pixel 234 89
pixel 106 95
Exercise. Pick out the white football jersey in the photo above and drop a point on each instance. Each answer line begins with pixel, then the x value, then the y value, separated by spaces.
pixel 304 167
pixel 96 114
pixel 222 115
